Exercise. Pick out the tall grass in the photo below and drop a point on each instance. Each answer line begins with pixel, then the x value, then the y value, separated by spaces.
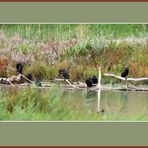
pixel 42 32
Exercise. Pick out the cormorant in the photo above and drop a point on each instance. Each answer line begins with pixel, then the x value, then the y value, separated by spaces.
pixel 19 67
pixel 125 72
pixel 63 73
pixel 29 76
pixel 94 80
pixel 89 82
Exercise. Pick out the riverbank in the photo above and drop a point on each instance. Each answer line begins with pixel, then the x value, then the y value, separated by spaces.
pixel 80 48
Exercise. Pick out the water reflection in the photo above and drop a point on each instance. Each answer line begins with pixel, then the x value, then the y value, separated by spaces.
pixel 110 101
pixel 126 102
pixel 90 95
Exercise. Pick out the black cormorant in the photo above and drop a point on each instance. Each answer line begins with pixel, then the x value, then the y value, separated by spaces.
pixel 89 82
pixel 94 80
pixel 125 72
pixel 29 76
pixel 63 73
pixel 19 67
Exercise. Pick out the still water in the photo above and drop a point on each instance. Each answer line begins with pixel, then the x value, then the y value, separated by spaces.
pixel 126 102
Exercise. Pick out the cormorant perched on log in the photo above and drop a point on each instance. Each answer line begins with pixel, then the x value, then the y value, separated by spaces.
pixel 125 72
pixel 63 73
pixel 90 81
pixel 29 76
pixel 94 80
pixel 19 67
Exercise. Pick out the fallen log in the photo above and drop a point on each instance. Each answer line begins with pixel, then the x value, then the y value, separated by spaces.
pixel 125 79
pixel 47 85
pixel 67 81
pixel 19 74
pixel 6 81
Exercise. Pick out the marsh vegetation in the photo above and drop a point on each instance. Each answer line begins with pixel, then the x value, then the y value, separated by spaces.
pixel 80 48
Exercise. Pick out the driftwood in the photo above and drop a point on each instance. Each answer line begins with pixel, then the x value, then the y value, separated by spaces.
pixel 19 74
pixel 130 89
pixel 125 79
pixel 78 85
pixel 67 81
pixel 99 78
pixel 6 81
pixel 13 79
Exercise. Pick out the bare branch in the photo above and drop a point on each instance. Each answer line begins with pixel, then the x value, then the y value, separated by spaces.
pixel 56 79
pixel 127 79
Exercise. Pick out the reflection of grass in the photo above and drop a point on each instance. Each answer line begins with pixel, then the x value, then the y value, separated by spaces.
pixel 33 104
pixel 51 104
